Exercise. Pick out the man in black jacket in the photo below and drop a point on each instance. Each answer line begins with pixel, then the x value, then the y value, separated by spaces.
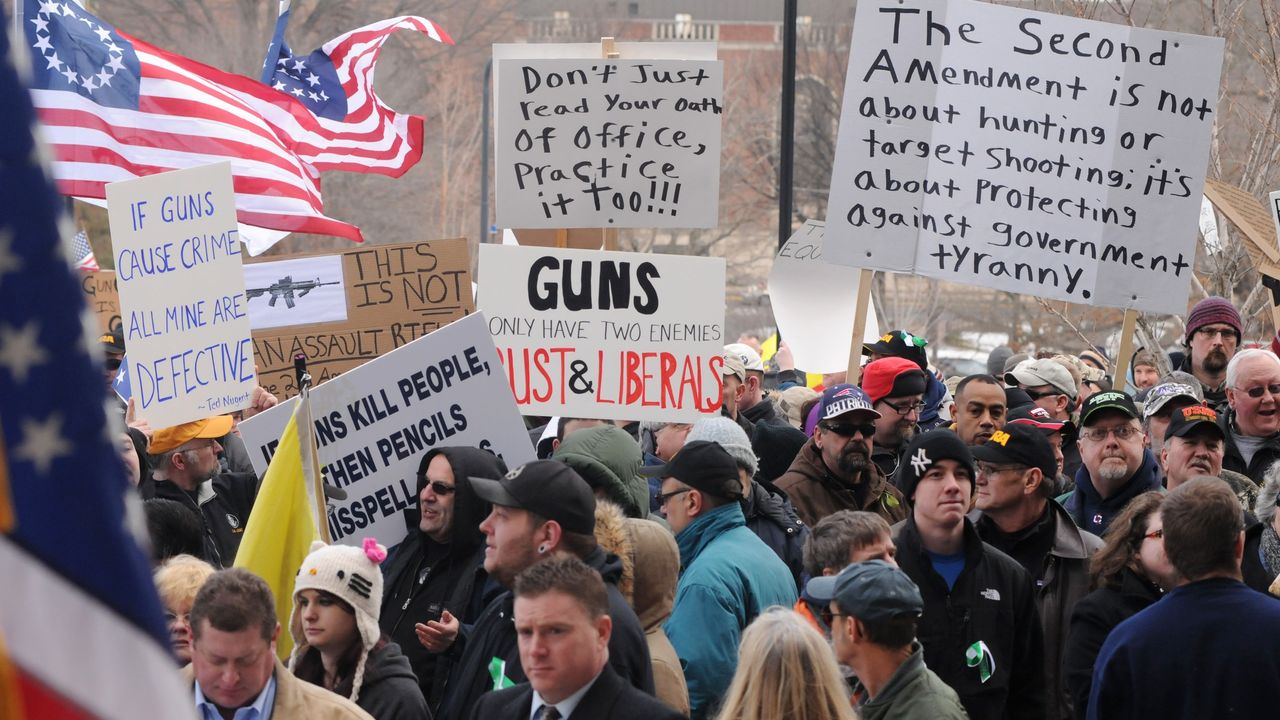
pixel 541 510
pixel 562 620
pixel 186 469
pixel 435 578
pixel 980 628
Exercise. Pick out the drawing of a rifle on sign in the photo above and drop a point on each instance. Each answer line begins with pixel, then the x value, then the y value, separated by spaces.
pixel 286 288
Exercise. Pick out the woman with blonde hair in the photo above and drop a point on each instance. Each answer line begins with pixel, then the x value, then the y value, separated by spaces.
pixel 178 580
pixel 785 670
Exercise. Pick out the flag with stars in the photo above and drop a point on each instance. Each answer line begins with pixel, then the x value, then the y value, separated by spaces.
pixel 83 252
pixel 335 83
pixel 76 595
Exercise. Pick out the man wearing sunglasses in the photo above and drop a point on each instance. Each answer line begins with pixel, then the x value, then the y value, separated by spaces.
pixel 1117 466
pixel 1050 385
pixel 1213 335
pixel 1252 420
pixel 833 470
pixel 437 573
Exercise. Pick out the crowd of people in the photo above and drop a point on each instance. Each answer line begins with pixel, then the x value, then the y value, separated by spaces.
pixel 1039 541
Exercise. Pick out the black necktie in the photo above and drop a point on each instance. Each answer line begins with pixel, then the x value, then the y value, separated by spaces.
pixel 548 712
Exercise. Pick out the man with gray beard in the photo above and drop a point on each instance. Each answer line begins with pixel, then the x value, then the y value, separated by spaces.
pixel 1116 466
pixel 833 470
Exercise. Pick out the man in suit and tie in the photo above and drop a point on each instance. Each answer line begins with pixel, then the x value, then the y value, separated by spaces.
pixel 563 626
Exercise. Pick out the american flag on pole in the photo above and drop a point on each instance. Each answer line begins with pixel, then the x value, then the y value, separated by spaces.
pixel 81 634
pixel 116 108
pixel 83 252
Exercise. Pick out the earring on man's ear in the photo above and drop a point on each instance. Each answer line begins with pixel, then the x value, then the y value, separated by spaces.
pixel 542 549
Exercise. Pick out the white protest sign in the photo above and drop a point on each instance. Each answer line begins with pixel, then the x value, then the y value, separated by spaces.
pixel 182 298
pixel 610 335
pixel 1274 200
pixel 814 303
pixel 607 143
pixel 374 423
pixel 1023 151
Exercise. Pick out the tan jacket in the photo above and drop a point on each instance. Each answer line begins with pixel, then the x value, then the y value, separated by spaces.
pixel 815 493
pixel 300 700
pixel 657 568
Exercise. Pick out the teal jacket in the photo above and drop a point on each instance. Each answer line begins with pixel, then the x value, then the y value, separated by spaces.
pixel 728 577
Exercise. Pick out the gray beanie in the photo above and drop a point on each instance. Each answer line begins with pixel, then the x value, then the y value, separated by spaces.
pixel 730 436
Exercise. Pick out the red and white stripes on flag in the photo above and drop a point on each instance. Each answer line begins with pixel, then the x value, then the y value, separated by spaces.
pixel 190 114
pixel 83 252
pixel 372 137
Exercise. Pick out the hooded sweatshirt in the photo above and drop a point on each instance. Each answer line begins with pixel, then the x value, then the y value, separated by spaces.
pixel 390 689
pixel 1091 512
pixel 424 577
pixel 657 568
pixel 608 457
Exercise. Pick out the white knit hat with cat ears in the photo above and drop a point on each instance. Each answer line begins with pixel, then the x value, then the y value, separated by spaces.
pixel 351 574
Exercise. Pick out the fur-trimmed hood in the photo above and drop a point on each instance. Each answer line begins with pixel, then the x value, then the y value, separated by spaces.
pixel 1265 507
pixel 611 534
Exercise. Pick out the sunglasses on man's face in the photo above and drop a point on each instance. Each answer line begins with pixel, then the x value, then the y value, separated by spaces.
pixel 849 429
pixel 112 363
pixel 440 488
pixel 1256 392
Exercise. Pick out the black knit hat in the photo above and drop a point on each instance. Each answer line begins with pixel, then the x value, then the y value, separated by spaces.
pixel 925 450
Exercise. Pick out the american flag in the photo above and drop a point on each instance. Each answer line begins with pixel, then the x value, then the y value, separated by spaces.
pixel 117 108
pixel 83 252
pixel 76 596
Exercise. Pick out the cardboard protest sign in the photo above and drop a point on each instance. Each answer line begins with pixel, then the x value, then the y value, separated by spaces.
pixel 354 306
pixel 178 272
pixel 610 335
pixel 1023 151
pixel 594 143
pixel 100 293
pixel 814 303
pixel 374 423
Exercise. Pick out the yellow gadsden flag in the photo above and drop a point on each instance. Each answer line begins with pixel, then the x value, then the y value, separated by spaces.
pixel 283 524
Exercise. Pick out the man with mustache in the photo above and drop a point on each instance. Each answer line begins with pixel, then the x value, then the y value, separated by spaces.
pixel 979 409
pixel 1213 334
pixel 1193 447
pixel 833 470
pixel 1116 466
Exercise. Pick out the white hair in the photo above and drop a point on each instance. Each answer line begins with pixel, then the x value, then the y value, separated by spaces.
pixel 1233 367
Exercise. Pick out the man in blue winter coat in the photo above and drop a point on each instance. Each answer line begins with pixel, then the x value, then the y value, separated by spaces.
pixel 728 574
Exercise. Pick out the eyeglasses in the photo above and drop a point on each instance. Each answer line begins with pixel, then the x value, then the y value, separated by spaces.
pixel 112 363
pixel 1097 434
pixel 440 488
pixel 989 469
pixel 904 409
pixel 849 429
pixel 1155 534
pixel 829 617
pixel 1256 392
pixel 1036 395
pixel 206 444
pixel 1224 333
pixel 662 498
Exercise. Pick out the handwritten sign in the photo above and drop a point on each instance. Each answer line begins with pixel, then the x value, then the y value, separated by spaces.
pixel 100 293
pixel 374 423
pixel 1023 151
pixel 390 296
pixel 608 143
pixel 814 303
pixel 181 286
pixel 609 335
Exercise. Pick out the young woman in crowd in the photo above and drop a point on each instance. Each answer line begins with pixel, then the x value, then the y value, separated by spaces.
pixel 1130 572
pixel 338 645
pixel 785 670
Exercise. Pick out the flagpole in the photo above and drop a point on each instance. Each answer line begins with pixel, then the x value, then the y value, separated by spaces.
pixel 310 460
pixel 277 41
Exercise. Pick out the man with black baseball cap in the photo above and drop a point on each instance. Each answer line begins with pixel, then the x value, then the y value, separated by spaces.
pixel 980 628
pixel 872 609
pixel 1016 514
pixel 1117 466
pixel 1194 445
pixel 1055 431
pixel 728 575
pixel 833 470
pixel 540 509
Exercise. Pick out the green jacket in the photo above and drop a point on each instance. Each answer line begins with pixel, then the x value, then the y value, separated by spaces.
pixel 607 457
pixel 914 693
